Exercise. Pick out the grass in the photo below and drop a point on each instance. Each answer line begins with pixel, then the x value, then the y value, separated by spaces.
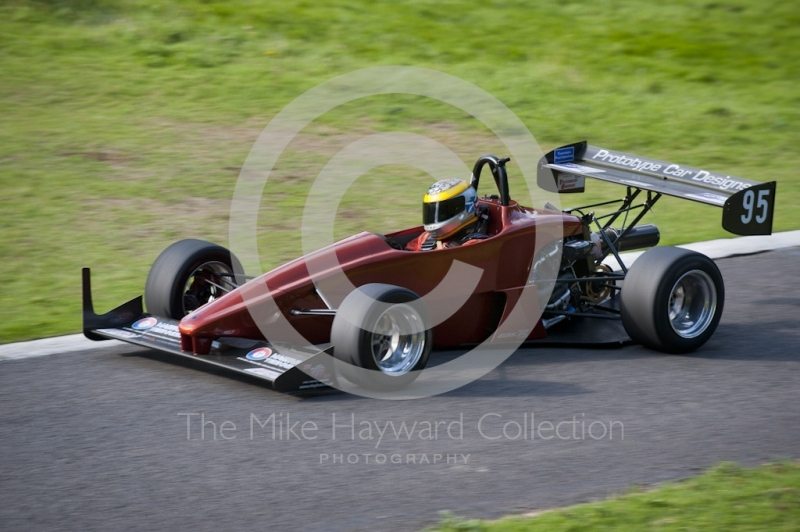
pixel 727 497
pixel 123 124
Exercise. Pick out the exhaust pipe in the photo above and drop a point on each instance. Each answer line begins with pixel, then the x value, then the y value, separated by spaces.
pixel 640 237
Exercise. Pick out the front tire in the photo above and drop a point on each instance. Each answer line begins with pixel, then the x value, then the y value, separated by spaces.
pixel 672 299
pixel 184 275
pixel 384 329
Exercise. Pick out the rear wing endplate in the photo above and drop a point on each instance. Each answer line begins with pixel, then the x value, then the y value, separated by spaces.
pixel 747 206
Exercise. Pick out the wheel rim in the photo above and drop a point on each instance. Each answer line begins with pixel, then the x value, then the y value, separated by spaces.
pixel 398 340
pixel 692 304
pixel 206 283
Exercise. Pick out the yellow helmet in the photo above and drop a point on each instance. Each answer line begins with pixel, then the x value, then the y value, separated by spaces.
pixel 449 205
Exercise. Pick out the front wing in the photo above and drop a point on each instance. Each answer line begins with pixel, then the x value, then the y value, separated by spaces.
pixel 286 368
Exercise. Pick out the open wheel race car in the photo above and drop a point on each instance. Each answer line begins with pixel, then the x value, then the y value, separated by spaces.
pixel 669 300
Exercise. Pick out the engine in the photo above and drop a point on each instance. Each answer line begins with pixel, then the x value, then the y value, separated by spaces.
pixel 582 258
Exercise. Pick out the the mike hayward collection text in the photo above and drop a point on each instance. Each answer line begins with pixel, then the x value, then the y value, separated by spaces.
pixel 493 426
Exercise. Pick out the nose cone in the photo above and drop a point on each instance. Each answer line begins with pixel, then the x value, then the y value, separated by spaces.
pixel 263 299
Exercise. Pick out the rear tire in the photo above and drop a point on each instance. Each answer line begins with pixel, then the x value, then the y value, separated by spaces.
pixel 178 280
pixel 384 329
pixel 672 299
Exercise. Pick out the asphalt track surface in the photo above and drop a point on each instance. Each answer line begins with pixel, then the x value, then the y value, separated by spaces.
pixel 96 440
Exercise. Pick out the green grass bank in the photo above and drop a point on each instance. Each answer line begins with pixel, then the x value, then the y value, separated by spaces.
pixel 123 125
pixel 727 497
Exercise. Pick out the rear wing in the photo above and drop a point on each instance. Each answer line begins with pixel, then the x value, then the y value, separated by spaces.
pixel 747 206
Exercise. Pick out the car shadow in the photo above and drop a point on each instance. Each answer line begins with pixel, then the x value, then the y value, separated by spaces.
pixel 773 341
pixel 788 301
pixel 510 387
pixel 188 363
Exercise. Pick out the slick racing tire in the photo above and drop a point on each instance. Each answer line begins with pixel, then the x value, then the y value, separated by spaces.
pixel 382 336
pixel 672 299
pixel 187 275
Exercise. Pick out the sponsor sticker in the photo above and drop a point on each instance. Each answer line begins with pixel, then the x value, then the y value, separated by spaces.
pixel 564 155
pixel 259 354
pixel 630 161
pixel 570 182
pixel 144 324
pixel 724 183
pixel 275 360
pixel 166 331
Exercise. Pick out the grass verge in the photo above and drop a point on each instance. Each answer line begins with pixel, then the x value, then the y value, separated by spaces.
pixel 727 497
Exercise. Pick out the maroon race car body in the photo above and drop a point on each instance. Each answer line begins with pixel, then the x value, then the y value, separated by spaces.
pixel 367 258
pixel 672 302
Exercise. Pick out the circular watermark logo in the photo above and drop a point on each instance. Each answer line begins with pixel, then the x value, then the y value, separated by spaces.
pixel 457 286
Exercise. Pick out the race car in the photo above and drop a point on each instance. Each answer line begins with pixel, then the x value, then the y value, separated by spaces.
pixel 537 275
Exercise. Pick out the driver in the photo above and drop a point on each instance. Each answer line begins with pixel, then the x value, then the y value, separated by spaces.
pixel 451 216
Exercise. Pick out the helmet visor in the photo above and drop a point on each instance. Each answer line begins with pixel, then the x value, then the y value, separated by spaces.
pixel 443 210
